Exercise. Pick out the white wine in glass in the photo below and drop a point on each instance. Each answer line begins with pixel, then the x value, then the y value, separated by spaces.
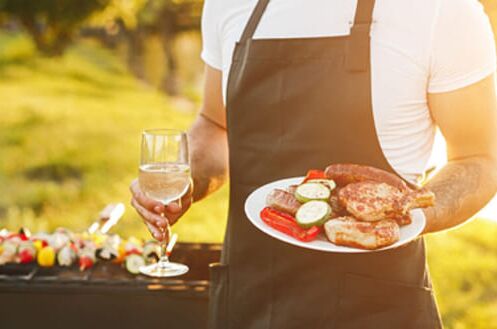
pixel 165 177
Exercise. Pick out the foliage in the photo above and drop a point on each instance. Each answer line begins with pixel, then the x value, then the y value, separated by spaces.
pixel 179 15
pixel 136 20
pixel 463 265
pixel 51 23
pixel 125 11
pixel 70 129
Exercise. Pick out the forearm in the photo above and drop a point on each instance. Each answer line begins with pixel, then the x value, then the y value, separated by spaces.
pixel 208 157
pixel 462 187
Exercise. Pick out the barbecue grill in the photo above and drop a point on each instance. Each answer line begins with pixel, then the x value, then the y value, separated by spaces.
pixel 107 296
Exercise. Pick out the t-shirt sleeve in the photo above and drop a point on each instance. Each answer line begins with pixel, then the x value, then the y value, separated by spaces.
pixel 463 46
pixel 211 47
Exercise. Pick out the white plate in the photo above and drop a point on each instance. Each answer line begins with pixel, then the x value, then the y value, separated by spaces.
pixel 257 201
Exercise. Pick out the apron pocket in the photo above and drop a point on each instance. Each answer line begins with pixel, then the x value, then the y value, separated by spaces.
pixel 366 302
pixel 218 296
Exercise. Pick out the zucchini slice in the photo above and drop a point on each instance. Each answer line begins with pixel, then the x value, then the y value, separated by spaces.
pixel 313 213
pixel 312 191
pixel 133 263
pixel 330 183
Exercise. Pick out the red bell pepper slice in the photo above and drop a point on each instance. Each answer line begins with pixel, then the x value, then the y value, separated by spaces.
pixel 286 224
pixel 314 174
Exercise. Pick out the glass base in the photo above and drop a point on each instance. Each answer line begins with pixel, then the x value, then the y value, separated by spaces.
pixel 164 270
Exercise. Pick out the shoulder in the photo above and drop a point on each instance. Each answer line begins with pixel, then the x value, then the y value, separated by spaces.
pixel 407 12
pixel 460 12
pixel 216 9
pixel 406 21
pixel 463 48
pixel 470 6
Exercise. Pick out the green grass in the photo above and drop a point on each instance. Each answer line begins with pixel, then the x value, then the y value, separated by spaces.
pixel 463 265
pixel 69 140
pixel 69 144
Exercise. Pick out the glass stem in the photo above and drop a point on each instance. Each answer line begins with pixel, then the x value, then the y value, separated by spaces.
pixel 164 259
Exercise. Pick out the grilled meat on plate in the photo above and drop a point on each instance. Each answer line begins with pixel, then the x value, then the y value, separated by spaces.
pixel 345 173
pixel 373 201
pixel 349 232
pixel 283 201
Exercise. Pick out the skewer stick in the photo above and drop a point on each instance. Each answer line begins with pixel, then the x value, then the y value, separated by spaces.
pixel 171 244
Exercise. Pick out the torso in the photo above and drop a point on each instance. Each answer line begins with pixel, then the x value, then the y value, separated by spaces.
pixel 295 104
pixel 400 61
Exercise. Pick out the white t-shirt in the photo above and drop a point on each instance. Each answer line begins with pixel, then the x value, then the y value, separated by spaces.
pixel 417 47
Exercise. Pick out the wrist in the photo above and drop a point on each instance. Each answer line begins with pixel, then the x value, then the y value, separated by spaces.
pixel 429 214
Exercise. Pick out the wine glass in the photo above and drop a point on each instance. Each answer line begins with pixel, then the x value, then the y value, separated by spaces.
pixel 164 176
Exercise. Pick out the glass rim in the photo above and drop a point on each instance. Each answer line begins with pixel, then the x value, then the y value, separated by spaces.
pixel 163 132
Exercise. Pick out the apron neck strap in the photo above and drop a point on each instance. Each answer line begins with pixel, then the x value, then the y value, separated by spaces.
pixel 364 12
pixel 254 20
pixel 358 47
pixel 363 16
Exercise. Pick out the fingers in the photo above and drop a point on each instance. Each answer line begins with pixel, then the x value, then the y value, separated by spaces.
pixel 182 205
pixel 148 216
pixel 156 233
pixel 176 209
pixel 147 203
pixel 173 208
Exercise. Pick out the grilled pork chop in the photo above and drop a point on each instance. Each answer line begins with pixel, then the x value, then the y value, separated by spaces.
pixel 283 201
pixel 337 208
pixel 349 232
pixel 373 201
pixel 403 220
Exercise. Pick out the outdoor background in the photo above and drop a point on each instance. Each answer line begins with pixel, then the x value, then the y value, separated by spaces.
pixel 79 81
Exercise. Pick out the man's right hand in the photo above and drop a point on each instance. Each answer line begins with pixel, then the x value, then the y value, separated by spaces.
pixel 154 213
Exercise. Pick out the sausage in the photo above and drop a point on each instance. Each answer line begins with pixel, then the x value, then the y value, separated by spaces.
pixel 345 173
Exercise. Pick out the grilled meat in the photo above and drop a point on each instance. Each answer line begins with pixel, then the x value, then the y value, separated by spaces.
pixel 344 174
pixel 337 208
pixel 349 232
pixel 402 220
pixel 373 201
pixel 292 189
pixel 283 201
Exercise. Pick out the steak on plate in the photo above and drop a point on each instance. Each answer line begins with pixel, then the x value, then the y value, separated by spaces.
pixel 373 201
pixel 349 232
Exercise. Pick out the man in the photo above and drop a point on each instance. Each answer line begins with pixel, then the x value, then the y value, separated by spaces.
pixel 293 85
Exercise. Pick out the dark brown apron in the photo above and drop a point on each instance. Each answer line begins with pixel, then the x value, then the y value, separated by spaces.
pixel 292 105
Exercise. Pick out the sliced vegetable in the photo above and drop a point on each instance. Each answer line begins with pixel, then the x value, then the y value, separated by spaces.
pixel 314 174
pixel 313 213
pixel 287 225
pixel 134 262
pixel 85 262
pixel 9 251
pixel 46 257
pixel 151 251
pixel 27 252
pixel 329 183
pixel 40 244
pixel 26 256
pixel 312 191
pixel 66 256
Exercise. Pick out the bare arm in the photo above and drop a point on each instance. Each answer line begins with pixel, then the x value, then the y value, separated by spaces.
pixel 468 120
pixel 208 140
pixel 208 156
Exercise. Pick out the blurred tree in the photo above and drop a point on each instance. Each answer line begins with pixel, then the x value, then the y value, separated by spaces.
pixel 167 18
pixel 51 23
pixel 135 20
